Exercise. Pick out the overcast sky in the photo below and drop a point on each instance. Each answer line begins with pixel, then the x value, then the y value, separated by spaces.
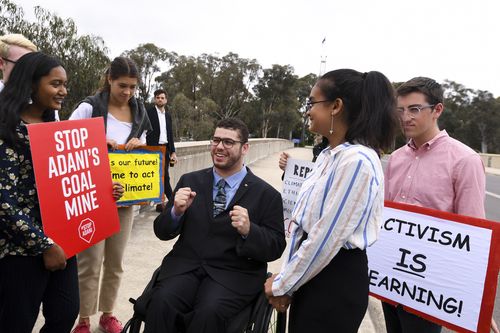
pixel 442 39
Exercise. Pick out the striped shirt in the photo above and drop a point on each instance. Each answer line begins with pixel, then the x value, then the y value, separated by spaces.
pixel 339 205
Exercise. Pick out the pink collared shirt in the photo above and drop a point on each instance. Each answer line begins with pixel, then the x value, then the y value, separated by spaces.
pixel 442 174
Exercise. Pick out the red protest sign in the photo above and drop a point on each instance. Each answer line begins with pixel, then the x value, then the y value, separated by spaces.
pixel 72 171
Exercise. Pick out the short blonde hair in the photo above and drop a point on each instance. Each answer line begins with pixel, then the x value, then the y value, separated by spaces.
pixel 6 41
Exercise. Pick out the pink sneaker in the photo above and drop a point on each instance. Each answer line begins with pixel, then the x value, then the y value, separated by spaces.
pixel 81 328
pixel 109 324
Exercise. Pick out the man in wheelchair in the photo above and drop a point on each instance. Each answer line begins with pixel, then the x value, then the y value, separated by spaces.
pixel 230 224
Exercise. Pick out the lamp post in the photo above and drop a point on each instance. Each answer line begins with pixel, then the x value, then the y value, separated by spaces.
pixel 304 124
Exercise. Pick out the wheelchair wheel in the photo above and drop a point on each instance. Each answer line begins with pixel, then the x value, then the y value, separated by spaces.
pixel 133 325
pixel 277 322
pixel 272 321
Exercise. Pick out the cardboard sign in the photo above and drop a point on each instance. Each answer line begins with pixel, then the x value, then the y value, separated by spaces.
pixel 295 173
pixel 441 266
pixel 140 171
pixel 71 167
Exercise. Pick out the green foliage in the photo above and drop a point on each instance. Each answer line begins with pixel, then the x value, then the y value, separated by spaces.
pixel 471 116
pixel 84 57
pixel 224 80
pixel 192 122
pixel 305 85
pixel 276 91
pixel 148 57
pixel 229 86
pixel 182 78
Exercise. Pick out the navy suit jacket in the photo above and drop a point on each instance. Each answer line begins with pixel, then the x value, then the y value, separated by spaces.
pixel 152 137
pixel 213 243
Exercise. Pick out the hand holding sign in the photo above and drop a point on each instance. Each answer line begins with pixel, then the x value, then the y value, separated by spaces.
pixel 118 190
pixel 112 144
pixel 283 160
pixel 133 144
pixel 183 199
pixel 54 258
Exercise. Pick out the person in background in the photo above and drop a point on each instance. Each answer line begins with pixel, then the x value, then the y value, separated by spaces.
pixel 456 183
pixel 320 143
pixel 12 47
pixel 126 123
pixel 162 135
pixel 338 211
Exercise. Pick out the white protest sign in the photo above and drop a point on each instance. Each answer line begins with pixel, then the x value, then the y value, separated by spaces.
pixel 433 265
pixel 295 173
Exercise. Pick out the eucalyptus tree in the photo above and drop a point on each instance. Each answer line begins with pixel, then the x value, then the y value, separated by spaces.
pixel 276 92
pixel 227 81
pixel 149 58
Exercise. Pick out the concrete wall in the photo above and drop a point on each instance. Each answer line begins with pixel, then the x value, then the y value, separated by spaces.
pixel 491 160
pixel 195 155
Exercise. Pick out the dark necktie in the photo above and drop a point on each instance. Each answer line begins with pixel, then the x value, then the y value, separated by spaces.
pixel 220 198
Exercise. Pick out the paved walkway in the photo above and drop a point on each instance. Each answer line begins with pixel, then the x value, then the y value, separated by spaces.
pixel 145 252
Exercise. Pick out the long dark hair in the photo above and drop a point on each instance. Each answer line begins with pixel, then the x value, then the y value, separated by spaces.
pixel 369 105
pixel 20 90
pixel 120 66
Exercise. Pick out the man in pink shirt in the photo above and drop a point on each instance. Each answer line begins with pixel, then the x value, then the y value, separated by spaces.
pixel 432 170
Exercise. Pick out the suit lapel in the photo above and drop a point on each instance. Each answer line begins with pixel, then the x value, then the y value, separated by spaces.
pixel 207 185
pixel 153 119
pixel 242 190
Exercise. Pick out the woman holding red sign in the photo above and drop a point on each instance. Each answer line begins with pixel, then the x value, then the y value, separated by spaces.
pixel 126 123
pixel 33 269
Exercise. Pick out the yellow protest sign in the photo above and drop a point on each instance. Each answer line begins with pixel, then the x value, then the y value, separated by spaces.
pixel 140 171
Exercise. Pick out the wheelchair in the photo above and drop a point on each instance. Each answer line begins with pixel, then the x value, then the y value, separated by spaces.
pixel 257 317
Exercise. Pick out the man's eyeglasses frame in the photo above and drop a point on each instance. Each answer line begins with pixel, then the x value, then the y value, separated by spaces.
pixel 226 142
pixel 413 110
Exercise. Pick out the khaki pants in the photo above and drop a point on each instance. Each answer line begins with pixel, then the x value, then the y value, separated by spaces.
pixel 107 254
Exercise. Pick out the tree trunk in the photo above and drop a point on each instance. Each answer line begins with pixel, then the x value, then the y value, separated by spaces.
pixel 484 146
pixel 265 127
pixel 484 143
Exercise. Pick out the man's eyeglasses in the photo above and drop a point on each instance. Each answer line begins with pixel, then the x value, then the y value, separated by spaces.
pixel 309 103
pixel 227 143
pixel 413 110
pixel 8 60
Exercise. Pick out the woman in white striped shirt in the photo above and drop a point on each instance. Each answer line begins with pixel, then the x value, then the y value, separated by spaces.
pixel 339 207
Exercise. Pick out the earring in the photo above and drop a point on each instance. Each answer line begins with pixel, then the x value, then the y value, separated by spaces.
pixel 331 125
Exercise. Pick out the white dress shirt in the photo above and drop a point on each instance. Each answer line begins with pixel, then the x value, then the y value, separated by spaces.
pixel 163 126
